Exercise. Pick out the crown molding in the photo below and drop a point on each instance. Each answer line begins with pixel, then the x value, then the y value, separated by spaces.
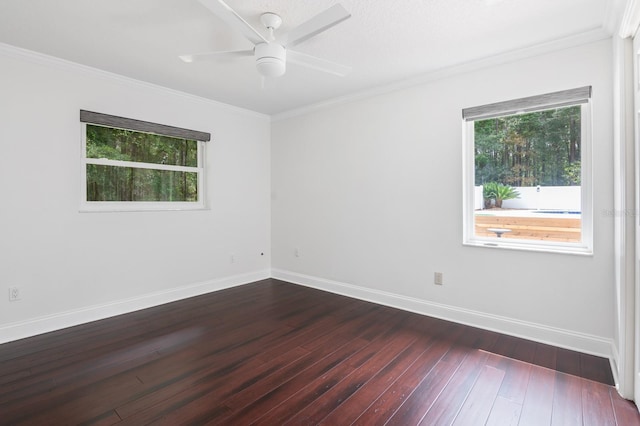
pixel 587 37
pixel 630 19
pixel 613 15
pixel 63 64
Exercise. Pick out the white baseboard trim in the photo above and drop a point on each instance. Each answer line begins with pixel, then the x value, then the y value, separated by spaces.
pixel 47 323
pixel 567 339
pixel 615 369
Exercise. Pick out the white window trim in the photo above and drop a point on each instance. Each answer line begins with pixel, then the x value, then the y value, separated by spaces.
pixel 131 206
pixel 585 247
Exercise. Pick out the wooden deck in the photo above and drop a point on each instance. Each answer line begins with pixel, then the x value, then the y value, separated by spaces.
pixel 564 229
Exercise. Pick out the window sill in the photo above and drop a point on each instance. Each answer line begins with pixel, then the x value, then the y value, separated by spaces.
pixel 579 250
pixel 115 207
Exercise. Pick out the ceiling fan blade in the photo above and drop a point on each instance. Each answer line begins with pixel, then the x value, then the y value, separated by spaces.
pixel 226 13
pixel 314 26
pixel 197 57
pixel 317 63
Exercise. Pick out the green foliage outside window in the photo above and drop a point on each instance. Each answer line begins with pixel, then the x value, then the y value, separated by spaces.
pixel 538 148
pixel 122 183
pixel 497 192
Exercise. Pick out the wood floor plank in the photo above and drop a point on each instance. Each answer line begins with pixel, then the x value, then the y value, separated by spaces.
pixel 351 383
pixel 417 377
pixel 567 400
pixel 107 418
pixel 421 398
pixel 363 325
pixel 229 348
pixel 244 397
pixel 272 352
pixel 525 351
pixel 445 408
pixel 307 395
pixel 323 384
pixel 568 362
pixel 626 412
pixel 51 394
pixel 314 390
pixel 508 403
pixel 357 403
pixel 191 383
pixel 254 404
pixel 545 356
pixel 505 346
pixel 596 369
pixel 80 406
pixel 538 402
pixel 598 407
pixel 504 412
pixel 299 336
pixel 516 380
pixel 477 405
pixel 94 366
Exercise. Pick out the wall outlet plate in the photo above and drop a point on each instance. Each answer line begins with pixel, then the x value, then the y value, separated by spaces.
pixel 14 294
pixel 437 278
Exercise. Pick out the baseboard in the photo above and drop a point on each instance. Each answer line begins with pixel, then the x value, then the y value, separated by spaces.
pixel 615 369
pixel 45 324
pixel 568 339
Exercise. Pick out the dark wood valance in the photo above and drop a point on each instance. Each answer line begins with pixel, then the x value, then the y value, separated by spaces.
pixel 142 126
pixel 532 103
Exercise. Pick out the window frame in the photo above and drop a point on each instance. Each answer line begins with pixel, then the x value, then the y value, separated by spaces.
pixel 585 246
pixel 121 206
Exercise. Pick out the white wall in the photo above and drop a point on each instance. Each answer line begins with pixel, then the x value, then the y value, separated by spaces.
pixel 73 267
pixel 370 193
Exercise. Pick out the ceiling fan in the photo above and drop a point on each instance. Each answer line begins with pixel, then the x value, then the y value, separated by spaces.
pixel 272 53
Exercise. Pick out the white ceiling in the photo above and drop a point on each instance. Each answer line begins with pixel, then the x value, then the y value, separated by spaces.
pixel 384 41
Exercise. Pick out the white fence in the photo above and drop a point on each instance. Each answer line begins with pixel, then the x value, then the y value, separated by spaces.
pixel 538 198
pixel 478 200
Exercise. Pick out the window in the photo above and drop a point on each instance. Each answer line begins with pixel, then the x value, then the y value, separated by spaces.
pixel 135 165
pixel 527 173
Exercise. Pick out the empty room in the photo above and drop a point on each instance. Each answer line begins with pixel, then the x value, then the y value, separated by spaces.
pixel 319 212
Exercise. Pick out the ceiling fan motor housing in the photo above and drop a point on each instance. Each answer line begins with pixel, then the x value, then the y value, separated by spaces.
pixel 270 59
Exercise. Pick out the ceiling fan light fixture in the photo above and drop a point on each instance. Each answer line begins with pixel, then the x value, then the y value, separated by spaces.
pixel 270 59
pixel 270 53
pixel 270 67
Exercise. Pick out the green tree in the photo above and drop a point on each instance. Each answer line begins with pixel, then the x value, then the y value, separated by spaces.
pixel 122 183
pixel 538 148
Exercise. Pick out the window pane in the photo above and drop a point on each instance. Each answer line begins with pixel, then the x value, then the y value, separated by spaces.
pixel 128 145
pixel 109 183
pixel 527 176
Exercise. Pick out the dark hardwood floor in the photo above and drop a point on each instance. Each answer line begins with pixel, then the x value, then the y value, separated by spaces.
pixel 273 353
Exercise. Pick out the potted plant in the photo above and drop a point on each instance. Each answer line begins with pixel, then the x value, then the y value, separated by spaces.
pixel 489 193
pixel 505 192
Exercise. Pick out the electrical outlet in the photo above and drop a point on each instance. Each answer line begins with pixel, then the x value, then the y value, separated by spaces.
pixel 437 278
pixel 14 294
pixel 296 252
